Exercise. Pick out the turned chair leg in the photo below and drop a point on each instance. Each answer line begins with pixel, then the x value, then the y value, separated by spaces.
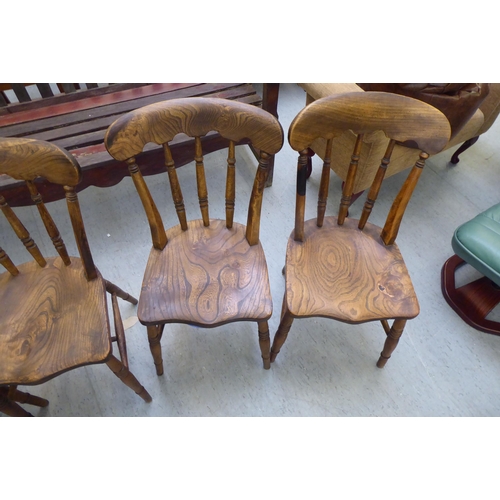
pixel 8 406
pixel 391 341
pixel 11 408
pixel 26 398
pixel 9 397
pixel 264 343
pixel 154 336
pixel 126 376
pixel 462 148
pixel 283 329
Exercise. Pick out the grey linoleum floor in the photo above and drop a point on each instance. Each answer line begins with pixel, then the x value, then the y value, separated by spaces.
pixel 442 367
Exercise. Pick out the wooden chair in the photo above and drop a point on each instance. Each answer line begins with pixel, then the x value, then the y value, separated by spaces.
pixel 344 269
pixel 206 272
pixel 53 314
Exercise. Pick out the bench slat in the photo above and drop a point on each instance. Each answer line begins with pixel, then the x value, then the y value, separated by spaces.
pixel 80 126
pixel 97 136
pixel 50 111
pixel 45 90
pixel 58 99
pixel 51 129
pixel 21 92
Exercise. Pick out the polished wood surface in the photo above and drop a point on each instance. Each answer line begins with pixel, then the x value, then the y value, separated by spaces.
pixel 77 121
pixel 208 275
pixel 403 119
pixel 22 95
pixel 54 313
pixel 347 274
pixel 206 272
pixel 26 159
pixel 41 308
pixel 341 268
pixel 473 301
pixel 159 123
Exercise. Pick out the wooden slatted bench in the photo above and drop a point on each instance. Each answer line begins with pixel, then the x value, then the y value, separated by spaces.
pixel 77 121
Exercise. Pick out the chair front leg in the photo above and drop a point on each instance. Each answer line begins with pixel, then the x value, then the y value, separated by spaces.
pixel 10 408
pixel 282 332
pixel 391 341
pixel 26 398
pixel 126 376
pixel 154 336
pixel 264 343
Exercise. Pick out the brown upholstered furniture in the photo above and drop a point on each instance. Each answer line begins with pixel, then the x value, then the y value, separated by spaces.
pixel 375 144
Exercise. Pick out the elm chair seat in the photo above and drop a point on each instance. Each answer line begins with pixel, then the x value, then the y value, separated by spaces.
pixel 477 243
pixel 53 310
pixel 204 272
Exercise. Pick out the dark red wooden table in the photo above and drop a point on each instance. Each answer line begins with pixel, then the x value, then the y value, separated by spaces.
pixel 78 122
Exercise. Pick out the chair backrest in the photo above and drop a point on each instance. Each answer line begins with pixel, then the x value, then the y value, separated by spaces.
pixel 404 120
pixel 26 160
pixel 195 117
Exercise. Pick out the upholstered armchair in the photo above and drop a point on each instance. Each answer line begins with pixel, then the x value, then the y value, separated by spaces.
pixel 375 144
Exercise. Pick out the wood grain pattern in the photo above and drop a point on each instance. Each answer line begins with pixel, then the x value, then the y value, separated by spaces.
pixel 343 273
pixel 41 311
pixel 78 122
pixel 53 314
pixel 401 201
pixel 403 119
pixel 161 122
pixel 27 159
pixel 208 272
pixel 344 269
pixel 207 276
